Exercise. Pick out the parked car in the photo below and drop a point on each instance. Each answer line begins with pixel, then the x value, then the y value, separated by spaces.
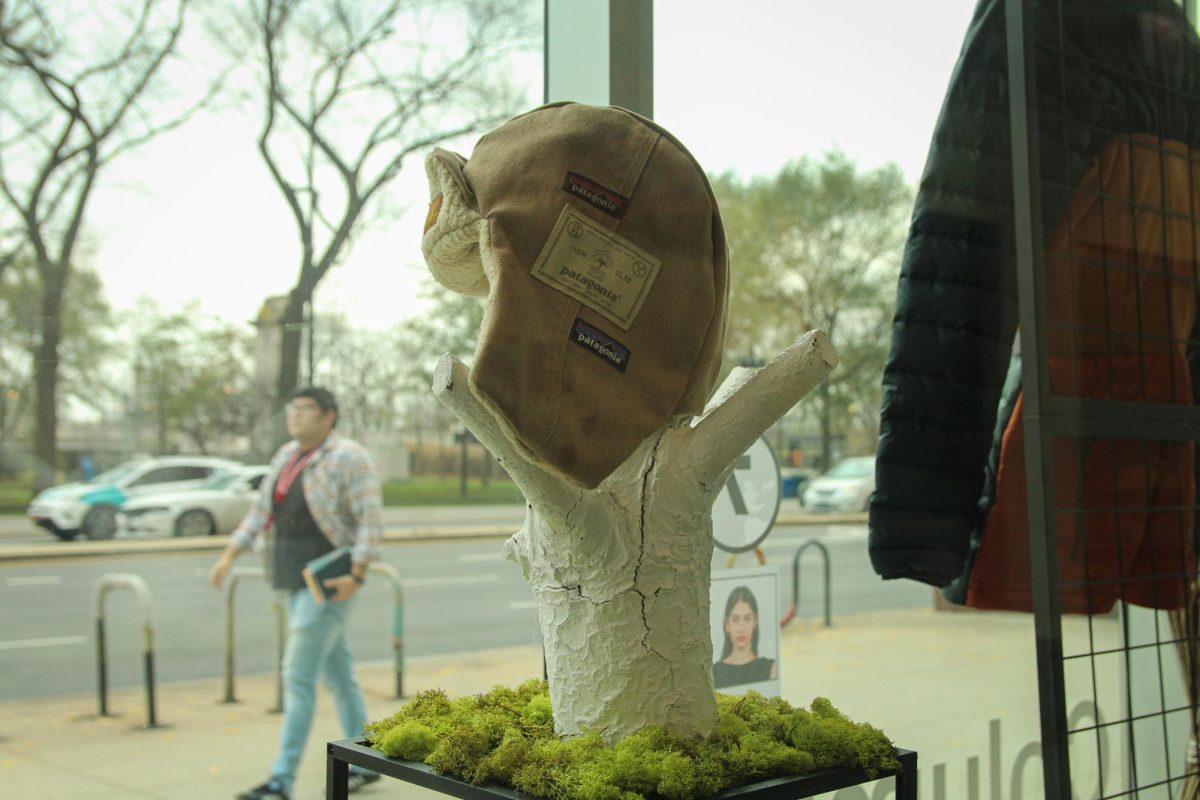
pixel 89 509
pixel 214 507
pixel 845 487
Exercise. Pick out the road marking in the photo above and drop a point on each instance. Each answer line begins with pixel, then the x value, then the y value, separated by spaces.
pixel 520 605
pixel 475 557
pixel 450 580
pixel 34 580
pixel 28 644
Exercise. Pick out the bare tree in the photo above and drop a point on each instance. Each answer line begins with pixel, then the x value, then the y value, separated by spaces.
pixel 367 370
pixel 74 81
pixel 85 345
pixel 350 89
pixel 192 377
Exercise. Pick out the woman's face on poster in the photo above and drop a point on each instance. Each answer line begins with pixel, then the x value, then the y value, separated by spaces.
pixel 740 625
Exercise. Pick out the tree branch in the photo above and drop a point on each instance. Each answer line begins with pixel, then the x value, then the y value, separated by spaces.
pixel 143 81
pixel 397 161
pixel 154 131
pixel 126 51
pixel 310 128
pixel 427 92
pixel 269 31
pixel 749 402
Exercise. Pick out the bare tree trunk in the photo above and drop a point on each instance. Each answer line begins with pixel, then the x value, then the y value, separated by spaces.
pixel 621 572
pixel 292 342
pixel 291 335
pixel 66 140
pixel 45 370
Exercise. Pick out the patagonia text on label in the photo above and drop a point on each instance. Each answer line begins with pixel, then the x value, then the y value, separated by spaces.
pixel 600 343
pixel 603 198
pixel 606 272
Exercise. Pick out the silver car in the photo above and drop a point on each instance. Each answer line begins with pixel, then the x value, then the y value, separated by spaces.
pixel 89 509
pixel 846 487
pixel 214 507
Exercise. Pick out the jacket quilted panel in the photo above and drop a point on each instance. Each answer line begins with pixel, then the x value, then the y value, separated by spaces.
pixel 1125 69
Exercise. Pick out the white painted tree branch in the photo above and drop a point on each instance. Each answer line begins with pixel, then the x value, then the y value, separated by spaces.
pixel 621 572
pixel 750 400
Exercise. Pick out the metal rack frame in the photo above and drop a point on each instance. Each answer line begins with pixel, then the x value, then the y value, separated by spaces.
pixel 340 755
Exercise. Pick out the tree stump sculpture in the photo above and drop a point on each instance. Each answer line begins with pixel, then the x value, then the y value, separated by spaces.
pixel 621 571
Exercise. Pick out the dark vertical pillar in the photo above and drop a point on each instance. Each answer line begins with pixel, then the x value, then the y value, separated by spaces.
pixel 1027 227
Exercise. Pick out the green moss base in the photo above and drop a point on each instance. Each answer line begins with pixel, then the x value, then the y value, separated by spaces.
pixel 506 737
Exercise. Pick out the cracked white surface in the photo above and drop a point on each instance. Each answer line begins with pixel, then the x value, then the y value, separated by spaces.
pixel 621 572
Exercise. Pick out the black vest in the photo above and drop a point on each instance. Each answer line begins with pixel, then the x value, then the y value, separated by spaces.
pixel 298 540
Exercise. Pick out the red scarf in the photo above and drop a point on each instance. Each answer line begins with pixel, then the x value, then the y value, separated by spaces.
pixel 291 470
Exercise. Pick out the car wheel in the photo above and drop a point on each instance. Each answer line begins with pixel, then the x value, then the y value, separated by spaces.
pixel 100 522
pixel 196 522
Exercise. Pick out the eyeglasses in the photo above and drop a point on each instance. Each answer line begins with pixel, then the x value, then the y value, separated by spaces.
pixel 296 408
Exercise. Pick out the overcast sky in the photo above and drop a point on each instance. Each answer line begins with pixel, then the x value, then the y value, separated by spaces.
pixel 746 86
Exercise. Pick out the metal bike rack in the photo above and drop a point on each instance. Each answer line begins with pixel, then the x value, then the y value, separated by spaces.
pixel 231 582
pixel 393 577
pixel 791 614
pixel 235 575
pixel 278 605
pixel 104 585
pixel 280 608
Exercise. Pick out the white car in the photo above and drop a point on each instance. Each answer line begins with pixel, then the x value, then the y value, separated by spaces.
pixel 214 507
pixel 846 487
pixel 89 509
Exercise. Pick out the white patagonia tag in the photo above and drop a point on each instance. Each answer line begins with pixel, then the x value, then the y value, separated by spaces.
pixel 608 274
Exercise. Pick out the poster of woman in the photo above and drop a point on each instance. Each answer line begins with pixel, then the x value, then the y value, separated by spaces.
pixel 744 607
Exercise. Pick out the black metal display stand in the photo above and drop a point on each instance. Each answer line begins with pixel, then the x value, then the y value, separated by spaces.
pixel 342 754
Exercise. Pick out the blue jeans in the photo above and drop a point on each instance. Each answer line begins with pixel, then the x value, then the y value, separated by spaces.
pixel 316 645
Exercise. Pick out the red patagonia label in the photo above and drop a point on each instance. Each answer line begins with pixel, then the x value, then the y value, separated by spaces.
pixel 603 198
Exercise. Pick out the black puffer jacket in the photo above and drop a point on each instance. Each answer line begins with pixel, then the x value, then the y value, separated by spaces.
pixel 1109 68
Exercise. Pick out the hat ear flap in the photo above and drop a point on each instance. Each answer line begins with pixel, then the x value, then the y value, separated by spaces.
pixel 451 243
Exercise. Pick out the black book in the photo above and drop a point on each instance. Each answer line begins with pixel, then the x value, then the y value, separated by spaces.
pixel 333 564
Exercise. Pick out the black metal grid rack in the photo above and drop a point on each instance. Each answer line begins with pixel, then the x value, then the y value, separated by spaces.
pixel 1104 99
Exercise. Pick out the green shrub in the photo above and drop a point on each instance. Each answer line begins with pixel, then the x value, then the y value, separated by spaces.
pixel 506 737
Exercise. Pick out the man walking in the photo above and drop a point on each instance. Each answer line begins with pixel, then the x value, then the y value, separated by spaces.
pixel 322 493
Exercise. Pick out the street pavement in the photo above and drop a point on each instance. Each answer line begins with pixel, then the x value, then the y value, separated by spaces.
pixel 399 522
pixel 959 688
pixel 20 539
pixel 881 668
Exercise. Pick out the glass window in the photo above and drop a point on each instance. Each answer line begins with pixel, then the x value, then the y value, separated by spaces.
pixel 172 474
pixel 114 474
pixel 220 480
pixel 853 468
pixel 861 158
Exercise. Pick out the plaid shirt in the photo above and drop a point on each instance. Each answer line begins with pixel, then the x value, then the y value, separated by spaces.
pixel 342 490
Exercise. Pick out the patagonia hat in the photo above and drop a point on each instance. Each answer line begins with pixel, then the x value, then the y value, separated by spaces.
pixel 596 239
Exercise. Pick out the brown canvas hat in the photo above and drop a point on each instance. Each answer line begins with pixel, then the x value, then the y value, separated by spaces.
pixel 597 241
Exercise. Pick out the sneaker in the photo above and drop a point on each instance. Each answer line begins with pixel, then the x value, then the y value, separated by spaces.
pixel 358 780
pixel 271 790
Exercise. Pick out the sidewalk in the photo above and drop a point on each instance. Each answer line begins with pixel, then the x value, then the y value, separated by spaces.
pixel 896 670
